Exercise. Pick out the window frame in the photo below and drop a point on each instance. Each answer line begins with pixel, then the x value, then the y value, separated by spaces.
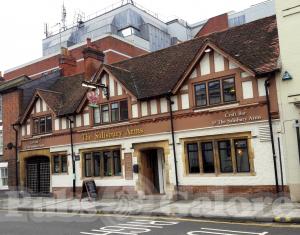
pixel 109 105
pixel 205 86
pixel 111 163
pixel 4 179
pixel 38 119
pixel 222 94
pixel 60 156
pixel 217 164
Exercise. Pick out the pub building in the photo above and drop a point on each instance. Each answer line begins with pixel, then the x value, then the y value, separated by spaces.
pixel 192 117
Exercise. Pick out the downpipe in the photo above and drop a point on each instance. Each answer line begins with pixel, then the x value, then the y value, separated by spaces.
pixel 267 84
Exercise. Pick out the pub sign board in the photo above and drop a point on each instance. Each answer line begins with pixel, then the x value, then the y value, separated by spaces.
pixel 89 188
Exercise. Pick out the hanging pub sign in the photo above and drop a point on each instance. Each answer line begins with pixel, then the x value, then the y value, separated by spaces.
pixel 89 189
pixel 93 97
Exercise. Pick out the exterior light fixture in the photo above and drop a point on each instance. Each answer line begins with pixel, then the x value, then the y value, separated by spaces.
pixel 94 85
pixel 286 76
pixel 207 50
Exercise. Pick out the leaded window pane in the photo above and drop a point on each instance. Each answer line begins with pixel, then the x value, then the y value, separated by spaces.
pixel 229 90
pixel 214 92
pixel 242 156
pixel 225 156
pixel 208 157
pixel 193 159
pixel 200 94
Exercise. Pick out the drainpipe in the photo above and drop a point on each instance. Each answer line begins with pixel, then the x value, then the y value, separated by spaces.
pixel 73 157
pixel 298 136
pixel 267 84
pixel 173 141
pixel 16 129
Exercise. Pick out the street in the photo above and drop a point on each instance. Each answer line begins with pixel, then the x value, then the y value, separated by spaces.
pixel 31 223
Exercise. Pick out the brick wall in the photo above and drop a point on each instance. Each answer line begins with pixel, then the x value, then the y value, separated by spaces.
pixel 11 110
pixel 109 44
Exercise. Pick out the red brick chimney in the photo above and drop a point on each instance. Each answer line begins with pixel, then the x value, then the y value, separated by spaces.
pixel 93 59
pixel 67 62
pixel 213 25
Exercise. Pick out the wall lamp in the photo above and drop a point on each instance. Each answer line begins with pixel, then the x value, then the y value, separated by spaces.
pixel 94 85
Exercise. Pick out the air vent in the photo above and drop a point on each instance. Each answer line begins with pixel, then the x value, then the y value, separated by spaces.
pixel 264 133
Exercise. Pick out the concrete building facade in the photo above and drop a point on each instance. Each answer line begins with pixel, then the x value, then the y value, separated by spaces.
pixel 288 19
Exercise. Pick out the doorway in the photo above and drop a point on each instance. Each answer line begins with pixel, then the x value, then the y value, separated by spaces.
pixel 38 175
pixel 152 171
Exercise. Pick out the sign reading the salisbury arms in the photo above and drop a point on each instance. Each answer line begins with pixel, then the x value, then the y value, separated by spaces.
pixel 101 135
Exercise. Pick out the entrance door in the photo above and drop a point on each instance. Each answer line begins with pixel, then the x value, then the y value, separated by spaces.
pixel 38 175
pixel 150 172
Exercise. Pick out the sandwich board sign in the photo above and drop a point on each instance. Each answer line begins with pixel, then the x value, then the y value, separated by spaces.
pixel 89 188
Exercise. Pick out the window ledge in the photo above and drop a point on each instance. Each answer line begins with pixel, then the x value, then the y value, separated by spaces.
pixel 3 188
pixel 104 178
pixel 60 174
pixel 215 108
pixel 221 174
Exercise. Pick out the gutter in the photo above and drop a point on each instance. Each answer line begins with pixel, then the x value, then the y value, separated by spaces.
pixel 267 84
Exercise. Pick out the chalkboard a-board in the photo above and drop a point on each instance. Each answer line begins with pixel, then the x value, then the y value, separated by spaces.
pixel 89 188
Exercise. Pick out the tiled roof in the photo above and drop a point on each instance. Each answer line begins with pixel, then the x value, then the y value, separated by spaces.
pixel 255 45
pixel 72 93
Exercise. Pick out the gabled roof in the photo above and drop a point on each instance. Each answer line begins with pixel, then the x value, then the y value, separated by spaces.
pixel 53 99
pixel 62 97
pixel 254 45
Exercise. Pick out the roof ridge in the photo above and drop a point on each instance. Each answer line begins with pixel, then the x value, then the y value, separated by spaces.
pixel 57 92
pixel 117 68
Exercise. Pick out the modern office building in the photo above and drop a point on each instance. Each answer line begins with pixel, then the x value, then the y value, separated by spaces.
pixel 144 28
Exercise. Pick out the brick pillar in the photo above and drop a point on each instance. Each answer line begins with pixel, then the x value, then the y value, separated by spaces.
pixel 93 59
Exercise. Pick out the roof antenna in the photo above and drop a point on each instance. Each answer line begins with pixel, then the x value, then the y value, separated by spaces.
pixel 63 17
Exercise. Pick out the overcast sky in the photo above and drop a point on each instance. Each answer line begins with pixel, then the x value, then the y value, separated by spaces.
pixel 22 21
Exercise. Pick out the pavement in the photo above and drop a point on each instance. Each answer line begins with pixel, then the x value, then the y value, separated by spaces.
pixel 280 210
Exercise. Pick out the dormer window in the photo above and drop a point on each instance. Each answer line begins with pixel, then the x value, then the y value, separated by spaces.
pixel 42 125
